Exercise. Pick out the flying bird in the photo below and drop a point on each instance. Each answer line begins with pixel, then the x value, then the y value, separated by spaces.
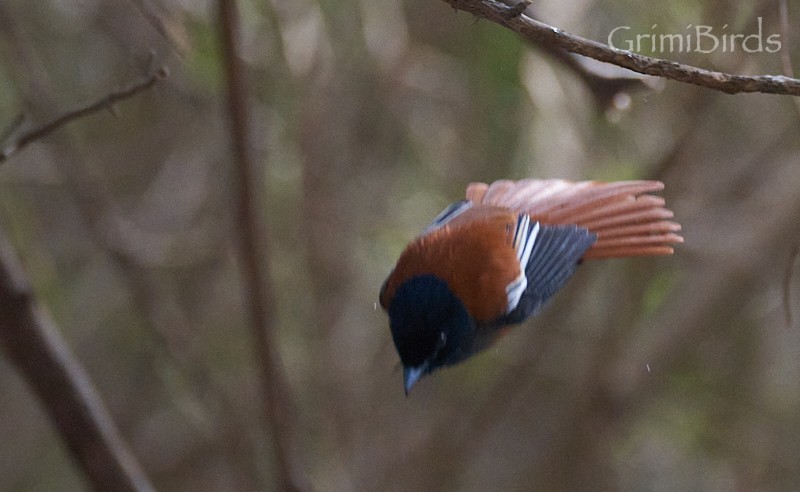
pixel 494 259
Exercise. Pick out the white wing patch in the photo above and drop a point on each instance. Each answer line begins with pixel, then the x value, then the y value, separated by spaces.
pixel 524 239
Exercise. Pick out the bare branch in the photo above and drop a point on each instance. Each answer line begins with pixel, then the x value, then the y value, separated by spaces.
pixel 254 257
pixel 512 18
pixel 105 102
pixel 33 343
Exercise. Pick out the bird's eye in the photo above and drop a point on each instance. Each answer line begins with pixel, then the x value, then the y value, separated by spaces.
pixel 439 345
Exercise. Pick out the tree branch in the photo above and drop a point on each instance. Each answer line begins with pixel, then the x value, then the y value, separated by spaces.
pixel 33 343
pixel 513 18
pixel 105 102
pixel 253 255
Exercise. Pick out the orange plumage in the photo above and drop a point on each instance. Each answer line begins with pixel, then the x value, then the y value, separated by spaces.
pixel 494 259
pixel 473 254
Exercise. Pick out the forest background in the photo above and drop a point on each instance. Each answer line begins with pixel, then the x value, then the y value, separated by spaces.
pixel 365 118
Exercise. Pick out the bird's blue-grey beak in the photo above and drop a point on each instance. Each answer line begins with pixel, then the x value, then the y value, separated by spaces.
pixel 411 375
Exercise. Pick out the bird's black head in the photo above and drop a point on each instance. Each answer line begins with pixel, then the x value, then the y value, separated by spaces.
pixel 430 327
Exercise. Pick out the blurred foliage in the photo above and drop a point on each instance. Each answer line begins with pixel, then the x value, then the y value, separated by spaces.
pixel 370 116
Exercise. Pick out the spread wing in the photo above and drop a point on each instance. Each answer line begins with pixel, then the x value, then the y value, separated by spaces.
pixel 574 221
pixel 625 218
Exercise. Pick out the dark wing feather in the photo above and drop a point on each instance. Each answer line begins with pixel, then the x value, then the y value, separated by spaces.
pixel 553 260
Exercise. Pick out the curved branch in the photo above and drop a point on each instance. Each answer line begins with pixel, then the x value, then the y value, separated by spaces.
pixel 513 18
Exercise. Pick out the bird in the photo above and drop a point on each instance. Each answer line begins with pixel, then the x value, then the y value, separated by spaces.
pixel 492 260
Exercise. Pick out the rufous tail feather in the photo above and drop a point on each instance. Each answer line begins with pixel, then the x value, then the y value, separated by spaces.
pixel 627 221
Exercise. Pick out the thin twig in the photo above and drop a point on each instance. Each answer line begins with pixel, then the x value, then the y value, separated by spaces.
pixel 254 257
pixel 105 102
pixel 534 30
pixel 33 343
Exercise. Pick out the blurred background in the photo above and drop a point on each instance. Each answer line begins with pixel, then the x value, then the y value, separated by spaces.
pixel 369 117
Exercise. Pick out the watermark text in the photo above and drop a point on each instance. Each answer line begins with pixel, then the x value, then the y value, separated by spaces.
pixel 697 38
